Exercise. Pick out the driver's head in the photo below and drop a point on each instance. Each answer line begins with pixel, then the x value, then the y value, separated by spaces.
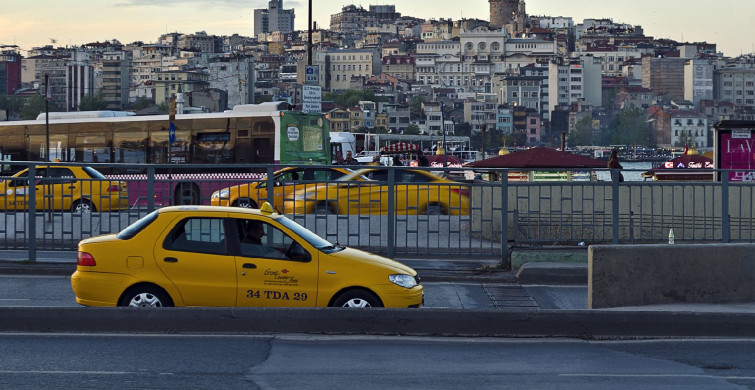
pixel 255 229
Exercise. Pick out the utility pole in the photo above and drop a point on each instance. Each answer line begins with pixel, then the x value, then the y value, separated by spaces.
pixel 309 37
pixel 48 96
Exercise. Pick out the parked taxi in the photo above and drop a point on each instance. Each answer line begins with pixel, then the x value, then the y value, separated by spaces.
pixel 216 256
pixel 366 192
pixel 287 180
pixel 74 188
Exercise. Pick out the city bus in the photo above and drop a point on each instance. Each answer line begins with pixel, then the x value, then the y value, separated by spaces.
pixel 265 133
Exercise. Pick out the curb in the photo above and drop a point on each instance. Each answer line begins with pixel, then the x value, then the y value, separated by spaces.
pixel 587 324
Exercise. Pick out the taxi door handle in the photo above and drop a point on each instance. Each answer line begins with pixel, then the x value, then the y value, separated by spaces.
pixel 249 265
pixel 170 260
pixel 71 187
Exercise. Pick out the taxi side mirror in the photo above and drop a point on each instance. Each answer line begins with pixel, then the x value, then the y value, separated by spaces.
pixel 297 252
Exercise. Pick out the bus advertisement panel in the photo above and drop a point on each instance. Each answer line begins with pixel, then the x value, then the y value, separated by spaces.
pixel 735 149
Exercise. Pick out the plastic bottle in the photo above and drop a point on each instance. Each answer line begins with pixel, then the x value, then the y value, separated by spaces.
pixel 671 236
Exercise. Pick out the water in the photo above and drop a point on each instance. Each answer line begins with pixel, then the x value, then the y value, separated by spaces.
pixel 632 171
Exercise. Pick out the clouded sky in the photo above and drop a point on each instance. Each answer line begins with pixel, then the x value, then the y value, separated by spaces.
pixel 728 23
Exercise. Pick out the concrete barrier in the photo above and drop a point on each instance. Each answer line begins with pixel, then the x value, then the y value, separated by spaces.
pixel 583 324
pixel 637 275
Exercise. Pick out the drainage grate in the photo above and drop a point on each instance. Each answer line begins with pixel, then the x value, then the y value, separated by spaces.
pixel 509 296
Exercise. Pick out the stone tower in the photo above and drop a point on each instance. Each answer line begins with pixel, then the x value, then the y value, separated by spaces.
pixel 509 15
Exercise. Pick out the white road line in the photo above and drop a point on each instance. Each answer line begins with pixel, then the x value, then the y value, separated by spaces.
pixel 70 372
pixel 660 376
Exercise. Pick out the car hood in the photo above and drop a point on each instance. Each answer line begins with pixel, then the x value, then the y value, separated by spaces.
pixel 356 255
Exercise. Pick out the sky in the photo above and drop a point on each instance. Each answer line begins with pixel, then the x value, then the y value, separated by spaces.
pixel 728 23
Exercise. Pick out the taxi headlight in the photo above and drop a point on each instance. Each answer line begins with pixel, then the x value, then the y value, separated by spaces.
pixel 220 194
pixel 405 281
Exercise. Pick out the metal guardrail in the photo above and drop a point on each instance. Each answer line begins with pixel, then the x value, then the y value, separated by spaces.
pixel 536 213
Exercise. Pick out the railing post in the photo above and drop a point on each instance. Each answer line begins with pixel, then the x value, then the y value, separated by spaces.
pixel 390 213
pixel 270 184
pixel 725 217
pixel 32 194
pixel 615 206
pixel 150 188
pixel 504 217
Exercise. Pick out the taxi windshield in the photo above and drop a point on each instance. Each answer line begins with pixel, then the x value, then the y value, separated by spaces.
pixel 309 236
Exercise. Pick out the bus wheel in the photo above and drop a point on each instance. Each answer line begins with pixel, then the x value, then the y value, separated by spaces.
pixel 245 203
pixel 186 193
pixel 82 206
pixel 324 208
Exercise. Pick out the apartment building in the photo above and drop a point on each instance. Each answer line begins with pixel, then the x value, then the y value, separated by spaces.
pixel 664 76
pixel 689 126
pixel 340 66
pixel 575 80
pixel 116 79
pixel 170 83
pixel 736 85
pixel 10 72
pixel 698 81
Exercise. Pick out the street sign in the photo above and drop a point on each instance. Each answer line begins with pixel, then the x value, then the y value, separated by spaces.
pixel 311 98
pixel 172 133
pixel 312 74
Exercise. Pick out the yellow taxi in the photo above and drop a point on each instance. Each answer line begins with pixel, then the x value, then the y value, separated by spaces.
pixel 74 188
pixel 287 180
pixel 216 256
pixel 366 192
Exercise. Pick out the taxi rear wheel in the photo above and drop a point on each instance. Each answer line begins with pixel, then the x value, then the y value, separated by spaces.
pixel 435 209
pixel 357 298
pixel 245 203
pixel 82 206
pixel 146 296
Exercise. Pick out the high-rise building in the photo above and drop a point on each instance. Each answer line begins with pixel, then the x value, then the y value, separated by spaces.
pixel 10 72
pixel 274 18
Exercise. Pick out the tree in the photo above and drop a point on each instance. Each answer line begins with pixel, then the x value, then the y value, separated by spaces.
pixel 630 127
pixel 92 103
pixel 34 106
pixel 415 105
pixel 141 103
pixel 582 133
pixel 352 97
pixel 12 104
pixel 462 129
pixel 685 139
pixel 412 129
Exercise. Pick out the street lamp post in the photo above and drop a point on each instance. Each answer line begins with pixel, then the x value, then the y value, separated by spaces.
pixel 443 129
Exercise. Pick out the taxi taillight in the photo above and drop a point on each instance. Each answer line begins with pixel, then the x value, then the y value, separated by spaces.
pixel 114 188
pixel 461 191
pixel 86 260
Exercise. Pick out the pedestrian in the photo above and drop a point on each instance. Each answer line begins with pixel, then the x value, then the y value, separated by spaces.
pixel 397 161
pixel 375 160
pixel 349 160
pixel 613 163
pixel 423 160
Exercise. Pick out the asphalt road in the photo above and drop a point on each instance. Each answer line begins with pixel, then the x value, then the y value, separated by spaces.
pixel 47 361
pixel 55 291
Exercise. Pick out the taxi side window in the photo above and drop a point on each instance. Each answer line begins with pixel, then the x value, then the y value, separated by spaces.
pixel 200 235
pixel 62 175
pixel 263 240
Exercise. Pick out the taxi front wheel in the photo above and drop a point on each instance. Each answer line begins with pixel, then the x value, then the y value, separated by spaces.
pixel 357 298
pixel 146 296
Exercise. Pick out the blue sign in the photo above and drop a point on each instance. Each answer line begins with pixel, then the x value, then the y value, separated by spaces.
pixel 172 133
